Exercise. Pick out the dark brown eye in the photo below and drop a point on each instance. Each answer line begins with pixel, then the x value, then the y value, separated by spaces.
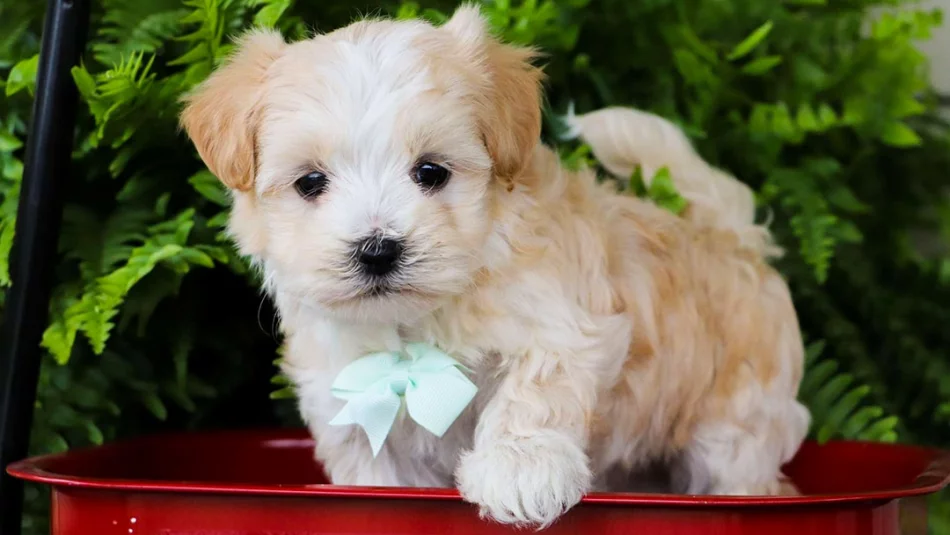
pixel 430 176
pixel 311 185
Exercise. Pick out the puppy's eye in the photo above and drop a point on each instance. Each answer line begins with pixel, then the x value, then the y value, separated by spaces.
pixel 311 185
pixel 430 176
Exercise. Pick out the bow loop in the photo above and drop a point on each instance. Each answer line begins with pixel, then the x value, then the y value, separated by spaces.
pixel 432 383
pixel 363 373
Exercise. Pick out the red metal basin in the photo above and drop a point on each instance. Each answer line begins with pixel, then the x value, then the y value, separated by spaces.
pixel 266 482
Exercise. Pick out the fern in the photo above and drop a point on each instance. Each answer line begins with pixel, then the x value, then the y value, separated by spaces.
pixel 269 11
pixel 207 44
pixel 18 39
pixel 101 304
pixel 93 312
pixel 131 27
pixel 661 190
pixel 209 187
pixel 838 405
pixel 284 387
pixel 577 158
pixel 811 218
pixel 532 22
pixel 22 76
pixel 100 246
pixel 114 97
pixel 779 121
pixel 11 171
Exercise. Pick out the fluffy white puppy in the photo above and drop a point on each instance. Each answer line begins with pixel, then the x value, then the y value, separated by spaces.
pixel 389 181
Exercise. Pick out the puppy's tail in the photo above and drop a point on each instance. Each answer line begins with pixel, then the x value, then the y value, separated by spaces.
pixel 623 138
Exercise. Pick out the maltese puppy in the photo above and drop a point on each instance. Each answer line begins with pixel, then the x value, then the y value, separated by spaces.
pixel 389 181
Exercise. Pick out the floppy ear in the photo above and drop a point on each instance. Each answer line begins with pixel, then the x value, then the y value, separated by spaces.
pixel 509 111
pixel 221 114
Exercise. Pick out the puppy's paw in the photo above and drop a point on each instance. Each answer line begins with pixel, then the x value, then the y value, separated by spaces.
pixel 525 481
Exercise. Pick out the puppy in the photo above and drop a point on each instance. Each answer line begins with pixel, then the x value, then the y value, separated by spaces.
pixel 389 181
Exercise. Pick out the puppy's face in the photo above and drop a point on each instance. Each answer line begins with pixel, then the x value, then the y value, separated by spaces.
pixel 367 163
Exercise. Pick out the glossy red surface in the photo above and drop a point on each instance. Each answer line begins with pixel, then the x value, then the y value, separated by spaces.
pixel 267 483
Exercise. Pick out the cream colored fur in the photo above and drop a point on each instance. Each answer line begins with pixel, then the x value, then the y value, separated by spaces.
pixel 604 333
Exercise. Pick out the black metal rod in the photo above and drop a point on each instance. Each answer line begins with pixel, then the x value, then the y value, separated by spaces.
pixel 46 169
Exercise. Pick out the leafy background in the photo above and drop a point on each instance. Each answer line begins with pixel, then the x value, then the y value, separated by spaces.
pixel 823 106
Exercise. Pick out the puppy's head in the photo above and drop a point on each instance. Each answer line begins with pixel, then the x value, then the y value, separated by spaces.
pixel 366 164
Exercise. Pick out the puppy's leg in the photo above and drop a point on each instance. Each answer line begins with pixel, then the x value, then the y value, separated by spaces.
pixel 348 460
pixel 528 464
pixel 745 457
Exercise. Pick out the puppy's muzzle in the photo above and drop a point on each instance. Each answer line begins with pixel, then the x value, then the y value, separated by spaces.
pixel 378 256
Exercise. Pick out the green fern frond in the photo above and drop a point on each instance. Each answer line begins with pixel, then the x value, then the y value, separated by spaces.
pixel 17 21
pixel 111 290
pixel 216 21
pixel 269 11
pixel 93 314
pixel 65 320
pixel 7 229
pixel 209 187
pixel 577 158
pixel 125 227
pixel 9 198
pixel 22 76
pixel 285 387
pixel 11 172
pixel 660 189
pixel 135 26
pixel 791 124
pixel 99 246
pixel 144 299
pixel 115 94
pixel 839 406
pixel 814 231
pixel 800 193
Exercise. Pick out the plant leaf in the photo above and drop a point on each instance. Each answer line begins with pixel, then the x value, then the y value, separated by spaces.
pixel 663 192
pixel 749 43
pixel 22 76
pixel 898 134
pixel 9 142
pixel 760 66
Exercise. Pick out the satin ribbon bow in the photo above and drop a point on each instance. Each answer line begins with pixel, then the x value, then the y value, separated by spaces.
pixel 435 390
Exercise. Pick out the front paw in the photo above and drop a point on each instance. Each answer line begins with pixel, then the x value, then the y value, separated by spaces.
pixel 525 481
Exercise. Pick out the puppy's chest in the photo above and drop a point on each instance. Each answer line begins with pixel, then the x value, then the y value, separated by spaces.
pixel 316 359
pixel 475 330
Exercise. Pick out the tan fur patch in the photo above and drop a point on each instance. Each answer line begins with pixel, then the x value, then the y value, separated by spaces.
pixel 221 114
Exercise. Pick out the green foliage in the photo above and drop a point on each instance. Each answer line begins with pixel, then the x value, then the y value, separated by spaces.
pixel 11 171
pixel 22 76
pixel 93 311
pixel 825 112
pixel 661 190
pixel 836 403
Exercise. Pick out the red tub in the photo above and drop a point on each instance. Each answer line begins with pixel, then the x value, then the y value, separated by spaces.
pixel 243 483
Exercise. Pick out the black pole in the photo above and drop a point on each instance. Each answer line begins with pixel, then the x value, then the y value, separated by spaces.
pixel 46 170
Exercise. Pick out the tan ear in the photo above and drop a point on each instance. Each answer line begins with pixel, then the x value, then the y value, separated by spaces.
pixel 221 114
pixel 510 110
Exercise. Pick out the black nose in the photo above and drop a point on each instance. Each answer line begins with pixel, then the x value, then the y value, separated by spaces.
pixel 379 256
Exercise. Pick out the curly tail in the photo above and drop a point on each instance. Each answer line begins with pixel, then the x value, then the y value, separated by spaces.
pixel 624 138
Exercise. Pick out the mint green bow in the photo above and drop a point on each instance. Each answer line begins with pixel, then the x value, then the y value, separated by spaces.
pixel 436 391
